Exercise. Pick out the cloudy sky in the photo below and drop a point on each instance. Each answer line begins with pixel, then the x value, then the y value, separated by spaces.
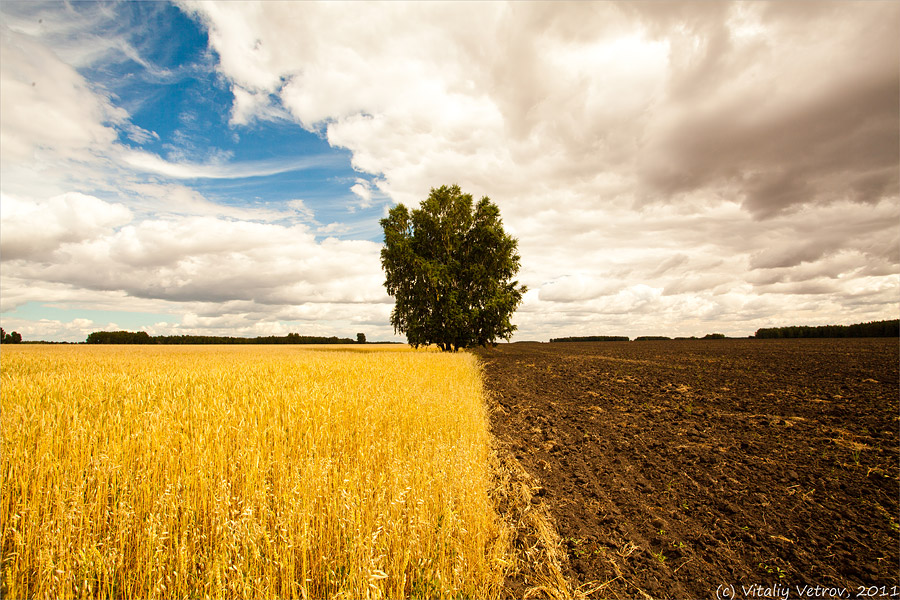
pixel 668 168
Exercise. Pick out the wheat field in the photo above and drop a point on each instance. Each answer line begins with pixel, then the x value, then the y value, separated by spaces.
pixel 246 471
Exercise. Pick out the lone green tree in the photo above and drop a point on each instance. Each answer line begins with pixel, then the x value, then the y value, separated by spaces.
pixel 449 266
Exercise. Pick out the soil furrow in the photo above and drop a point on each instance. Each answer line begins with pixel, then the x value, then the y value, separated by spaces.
pixel 674 467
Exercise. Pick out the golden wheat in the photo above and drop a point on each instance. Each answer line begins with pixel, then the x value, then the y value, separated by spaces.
pixel 246 472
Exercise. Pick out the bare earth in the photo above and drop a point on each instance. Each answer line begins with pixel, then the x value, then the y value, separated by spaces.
pixel 675 468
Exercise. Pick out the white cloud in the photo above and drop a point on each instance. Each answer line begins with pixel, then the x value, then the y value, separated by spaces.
pixel 667 169
pixel 332 228
pixel 572 288
pixel 140 241
pixel 651 159
pixel 150 163
pixel 34 230
pixel 205 259
pixel 56 330
pixel 46 104
pixel 362 189
pixel 303 211
pixel 250 106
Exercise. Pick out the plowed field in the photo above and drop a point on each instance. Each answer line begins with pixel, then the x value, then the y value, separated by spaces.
pixel 676 469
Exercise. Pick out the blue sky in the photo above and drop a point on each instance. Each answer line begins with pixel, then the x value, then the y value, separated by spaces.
pixel 172 93
pixel 220 168
pixel 178 95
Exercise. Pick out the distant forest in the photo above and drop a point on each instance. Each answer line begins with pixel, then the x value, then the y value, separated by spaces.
pixel 643 338
pixel 871 329
pixel 593 338
pixel 890 328
pixel 142 337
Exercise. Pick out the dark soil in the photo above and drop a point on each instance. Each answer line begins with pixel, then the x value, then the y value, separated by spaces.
pixel 673 468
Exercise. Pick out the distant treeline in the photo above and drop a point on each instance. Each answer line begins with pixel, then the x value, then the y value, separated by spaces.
pixel 142 337
pixel 643 338
pixel 871 329
pixel 593 338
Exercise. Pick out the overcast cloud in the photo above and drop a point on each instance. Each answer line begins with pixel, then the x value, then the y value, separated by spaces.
pixel 668 168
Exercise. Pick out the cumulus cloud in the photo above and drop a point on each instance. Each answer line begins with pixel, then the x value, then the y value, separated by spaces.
pixel 665 166
pixel 215 276
pixel 54 329
pixel 695 151
pixel 204 259
pixel 141 241
pixel 748 98
pixel 189 259
pixel 33 230
pixel 782 106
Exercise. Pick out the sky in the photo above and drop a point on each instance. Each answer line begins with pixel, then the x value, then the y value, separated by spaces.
pixel 669 168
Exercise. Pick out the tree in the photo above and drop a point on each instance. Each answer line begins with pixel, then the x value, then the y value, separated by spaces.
pixel 119 337
pixel 360 338
pixel 450 269
pixel 10 338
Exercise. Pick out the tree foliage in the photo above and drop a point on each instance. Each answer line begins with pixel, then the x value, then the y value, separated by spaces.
pixel 119 337
pixel 449 266
pixel 889 328
pixel 593 338
pixel 10 338
pixel 142 337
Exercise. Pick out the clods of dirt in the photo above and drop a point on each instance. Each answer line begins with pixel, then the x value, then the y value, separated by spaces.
pixel 672 468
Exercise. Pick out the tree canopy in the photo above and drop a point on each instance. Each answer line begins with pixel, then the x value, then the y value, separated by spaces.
pixel 890 328
pixel 142 337
pixel 10 338
pixel 449 266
